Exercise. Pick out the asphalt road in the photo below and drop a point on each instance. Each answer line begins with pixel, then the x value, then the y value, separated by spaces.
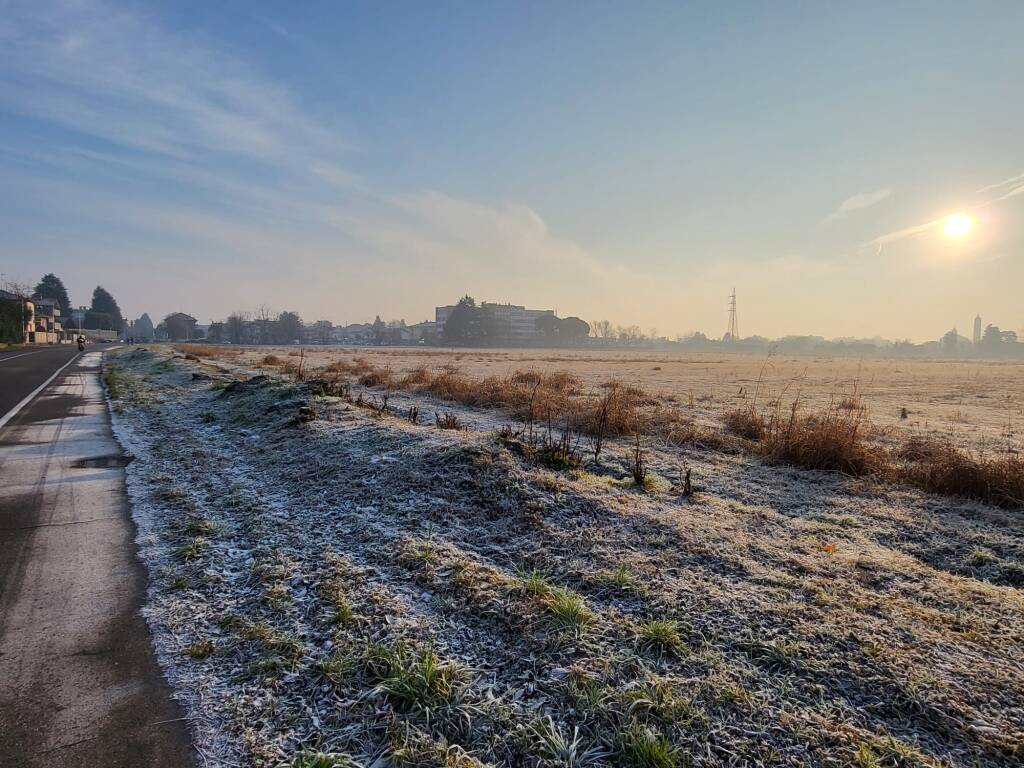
pixel 22 370
pixel 79 684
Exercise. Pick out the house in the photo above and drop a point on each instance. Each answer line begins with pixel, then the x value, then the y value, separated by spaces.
pixel 48 328
pixel 320 332
pixel 356 333
pixel 425 332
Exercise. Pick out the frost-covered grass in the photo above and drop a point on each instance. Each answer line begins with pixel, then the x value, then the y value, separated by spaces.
pixel 373 591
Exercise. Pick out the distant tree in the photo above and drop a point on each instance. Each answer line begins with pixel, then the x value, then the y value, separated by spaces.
pixel 96 321
pixel 288 328
pixel 573 330
pixel 550 328
pixel 18 289
pixel 602 328
pixel 144 330
pixel 264 322
pixel 12 320
pixel 51 287
pixel 950 338
pixel 103 304
pixel 180 327
pixel 628 334
pixel 469 324
pixel 992 337
pixel 216 333
pixel 379 329
pixel 236 326
pixel 1009 337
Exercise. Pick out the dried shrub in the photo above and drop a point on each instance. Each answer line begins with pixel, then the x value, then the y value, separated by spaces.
pixel 833 441
pixel 448 420
pixel 416 377
pixel 361 365
pixel 376 377
pixel 745 422
pixel 940 467
pixel 614 413
pixel 271 360
pixel 338 366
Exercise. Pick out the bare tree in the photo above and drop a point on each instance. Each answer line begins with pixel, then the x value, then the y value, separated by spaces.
pixel 602 329
pixel 236 326
pixel 264 316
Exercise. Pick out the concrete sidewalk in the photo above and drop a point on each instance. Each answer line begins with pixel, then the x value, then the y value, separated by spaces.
pixel 79 685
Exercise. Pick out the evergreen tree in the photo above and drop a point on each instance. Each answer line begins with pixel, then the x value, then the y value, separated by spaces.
pixel 103 304
pixel 52 287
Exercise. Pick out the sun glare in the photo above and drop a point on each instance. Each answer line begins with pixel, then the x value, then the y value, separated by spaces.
pixel 958 225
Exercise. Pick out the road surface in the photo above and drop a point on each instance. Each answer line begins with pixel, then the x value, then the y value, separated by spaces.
pixel 79 685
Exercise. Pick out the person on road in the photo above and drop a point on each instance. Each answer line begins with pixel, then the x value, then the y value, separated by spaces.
pixel 81 342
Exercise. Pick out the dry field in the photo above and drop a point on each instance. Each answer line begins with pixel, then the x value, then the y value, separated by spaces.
pixel 368 558
pixel 979 404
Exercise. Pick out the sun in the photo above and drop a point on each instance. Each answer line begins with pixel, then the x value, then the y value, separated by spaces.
pixel 958 225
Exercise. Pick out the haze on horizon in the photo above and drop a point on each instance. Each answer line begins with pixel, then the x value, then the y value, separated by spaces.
pixel 607 160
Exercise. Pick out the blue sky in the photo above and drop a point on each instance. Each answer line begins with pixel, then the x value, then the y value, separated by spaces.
pixel 614 160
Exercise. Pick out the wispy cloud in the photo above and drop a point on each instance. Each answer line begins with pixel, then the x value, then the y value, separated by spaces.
pixel 1005 189
pixel 1002 186
pixel 203 153
pixel 856 202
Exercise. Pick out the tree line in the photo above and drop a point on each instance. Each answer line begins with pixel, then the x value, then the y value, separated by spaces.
pixel 103 311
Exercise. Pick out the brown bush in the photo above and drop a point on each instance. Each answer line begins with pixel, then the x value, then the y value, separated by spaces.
pixel 361 365
pixel 377 377
pixel 416 377
pixel 338 366
pixel 448 420
pixel 833 441
pixel 271 360
pixel 617 409
pixel 745 422
pixel 940 467
pixel 527 377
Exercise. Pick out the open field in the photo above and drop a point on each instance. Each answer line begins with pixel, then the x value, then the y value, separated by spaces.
pixel 974 403
pixel 355 567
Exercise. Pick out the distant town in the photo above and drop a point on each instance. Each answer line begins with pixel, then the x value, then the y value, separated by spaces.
pixel 45 315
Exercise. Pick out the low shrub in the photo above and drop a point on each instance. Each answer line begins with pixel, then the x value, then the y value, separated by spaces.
pixel 745 423
pixel 940 467
pixel 832 441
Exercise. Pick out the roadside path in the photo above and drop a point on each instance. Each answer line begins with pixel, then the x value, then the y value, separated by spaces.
pixel 79 685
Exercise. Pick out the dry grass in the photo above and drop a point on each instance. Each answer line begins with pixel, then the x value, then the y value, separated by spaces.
pixel 745 423
pixel 377 377
pixel 209 351
pixel 833 440
pixel 942 468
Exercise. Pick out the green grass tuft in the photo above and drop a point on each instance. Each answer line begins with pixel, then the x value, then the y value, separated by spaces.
pixel 641 747
pixel 660 634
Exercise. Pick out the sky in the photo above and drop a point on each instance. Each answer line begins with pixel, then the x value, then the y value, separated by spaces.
pixel 610 160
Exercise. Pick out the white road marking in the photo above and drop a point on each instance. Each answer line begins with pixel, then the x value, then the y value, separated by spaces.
pixel 14 411
pixel 23 354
